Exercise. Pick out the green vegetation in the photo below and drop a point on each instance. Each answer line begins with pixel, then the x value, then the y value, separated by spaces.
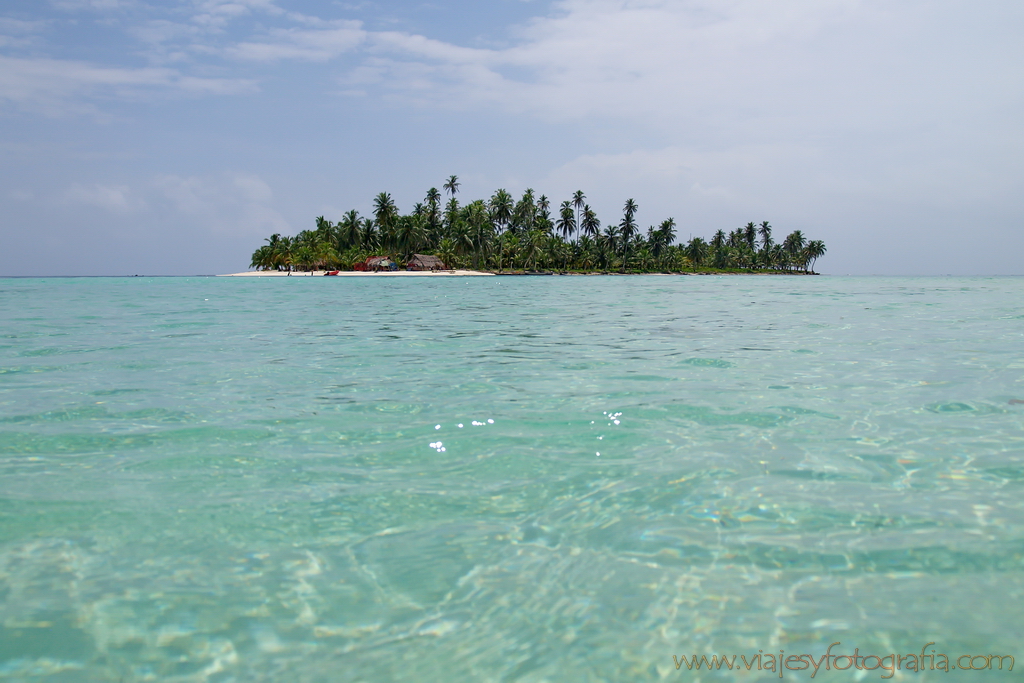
pixel 502 234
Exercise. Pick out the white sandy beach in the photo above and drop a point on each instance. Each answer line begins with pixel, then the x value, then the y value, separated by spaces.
pixel 351 273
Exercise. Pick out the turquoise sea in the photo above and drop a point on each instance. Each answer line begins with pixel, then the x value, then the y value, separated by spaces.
pixel 538 479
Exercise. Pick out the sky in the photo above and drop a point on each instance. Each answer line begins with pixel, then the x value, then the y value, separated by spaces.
pixel 173 137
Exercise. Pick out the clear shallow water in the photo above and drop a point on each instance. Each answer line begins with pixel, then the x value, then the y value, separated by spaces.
pixel 233 479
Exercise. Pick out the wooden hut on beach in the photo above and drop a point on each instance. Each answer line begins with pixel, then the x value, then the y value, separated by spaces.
pixel 425 262
pixel 379 263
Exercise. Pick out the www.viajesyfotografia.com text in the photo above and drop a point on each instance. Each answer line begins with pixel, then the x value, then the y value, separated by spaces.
pixel 888 665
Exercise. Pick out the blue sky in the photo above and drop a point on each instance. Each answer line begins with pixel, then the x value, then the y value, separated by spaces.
pixel 173 137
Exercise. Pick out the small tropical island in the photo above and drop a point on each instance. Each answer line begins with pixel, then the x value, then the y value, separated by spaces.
pixel 505 236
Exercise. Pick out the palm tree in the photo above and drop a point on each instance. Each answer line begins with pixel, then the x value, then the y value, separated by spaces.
pixel 462 237
pixel 283 256
pixel 696 251
pixel 628 228
pixel 532 247
pixel 525 214
pixel 385 215
pixel 369 236
pixel 660 239
pixel 814 250
pixel 544 214
pixel 480 229
pixel 433 199
pixel 501 214
pixel 566 220
pixel 750 235
pixel 348 230
pixel 543 204
pixel 324 229
pixel 561 251
pixel 765 231
pixel 578 203
pixel 606 246
pixel 510 249
pixel 590 226
pixel 643 258
pixel 451 213
pixel 675 258
pixel 410 235
pixel 324 255
pixel 630 209
pixel 446 252
pixel 794 245
pixel 718 241
pixel 304 256
pixel 269 256
pixel 501 208
pixel 583 252
pixel 384 211
pixel 452 185
pixel 261 258
pixel 720 257
pixel 736 238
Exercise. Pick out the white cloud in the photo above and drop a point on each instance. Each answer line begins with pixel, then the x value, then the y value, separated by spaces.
pixel 189 195
pixel 234 205
pixel 253 189
pixel 158 33
pixel 116 198
pixel 748 69
pixel 56 86
pixel 239 205
pixel 793 102
pixel 678 176
pixel 747 66
pixel 11 26
pixel 653 59
pixel 95 5
pixel 216 14
pixel 19 34
pixel 237 7
pixel 317 45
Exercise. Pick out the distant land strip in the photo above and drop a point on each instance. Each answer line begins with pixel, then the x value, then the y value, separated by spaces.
pixel 505 236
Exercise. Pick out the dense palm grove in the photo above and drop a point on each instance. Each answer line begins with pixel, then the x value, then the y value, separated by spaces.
pixel 504 234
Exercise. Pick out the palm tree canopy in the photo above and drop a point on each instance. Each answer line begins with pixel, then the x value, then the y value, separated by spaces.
pixel 452 185
pixel 630 209
pixel 590 224
pixel 525 213
pixel 499 231
pixel 348 229
pixel 718 241
pixel 750 235
pixel 566 220
pixel 384 207
pixel 765 232
pixel 794 242
pixel 578 202
pixel 501 207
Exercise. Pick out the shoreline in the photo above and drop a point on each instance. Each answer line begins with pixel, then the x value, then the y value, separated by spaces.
pixel 356 273
pixel 477 273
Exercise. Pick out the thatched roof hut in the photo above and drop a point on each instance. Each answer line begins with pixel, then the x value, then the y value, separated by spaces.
pixel 376 263
pixel 426 262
